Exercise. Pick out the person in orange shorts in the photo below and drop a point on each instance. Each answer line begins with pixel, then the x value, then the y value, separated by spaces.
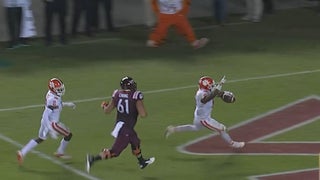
pixel 173 13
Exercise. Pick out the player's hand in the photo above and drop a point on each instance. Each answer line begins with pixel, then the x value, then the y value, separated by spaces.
pixel 104 104
pixel 69 104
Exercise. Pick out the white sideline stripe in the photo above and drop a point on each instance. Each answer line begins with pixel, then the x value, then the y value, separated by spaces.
pixel 228 24
pixel 88 42
pixel 45 156
pixel 174 89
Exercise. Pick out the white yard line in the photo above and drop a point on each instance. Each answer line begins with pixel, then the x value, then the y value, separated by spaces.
pixel 45 156
pixel 173 89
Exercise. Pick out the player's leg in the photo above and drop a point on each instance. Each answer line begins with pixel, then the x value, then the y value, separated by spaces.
pixel 214 125
pixel 43 131
pixel 67 135
pixel 136 151
pixel 184 28
pixel 196 126
pixel 121 142
pixel 160 31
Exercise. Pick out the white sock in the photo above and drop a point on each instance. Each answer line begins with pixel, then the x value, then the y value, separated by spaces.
pixel 62 147
pixel 28 147
pixel 226 137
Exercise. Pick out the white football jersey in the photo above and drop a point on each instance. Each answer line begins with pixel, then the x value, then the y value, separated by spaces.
pixel 202 111
pixel 170 6
pixel 53 105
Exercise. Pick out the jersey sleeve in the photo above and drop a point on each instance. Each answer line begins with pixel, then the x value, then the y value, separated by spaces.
pixel 138 95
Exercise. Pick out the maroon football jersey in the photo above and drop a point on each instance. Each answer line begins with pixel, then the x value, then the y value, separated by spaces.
pixel 125 103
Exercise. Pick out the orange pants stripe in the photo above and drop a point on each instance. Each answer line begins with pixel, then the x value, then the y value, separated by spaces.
pixel 61 130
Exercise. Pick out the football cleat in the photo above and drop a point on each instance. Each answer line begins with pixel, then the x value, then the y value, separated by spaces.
pixel 146 162
pixel 89 162
pixel 235 144
pixel 62 156
pixel 19 158
pixel 169 131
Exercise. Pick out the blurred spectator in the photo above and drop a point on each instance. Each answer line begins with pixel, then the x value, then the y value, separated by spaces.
pixel 28 28
pixel 53 7
pixel 318 8
pixel 254 10
pixel 220 10
pixel 14 15
pixel 81 7
pixel 150 19
pixel 108 14
pixel 268 6
pixel 173 13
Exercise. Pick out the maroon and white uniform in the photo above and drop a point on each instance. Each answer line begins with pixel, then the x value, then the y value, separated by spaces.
pixel 127 114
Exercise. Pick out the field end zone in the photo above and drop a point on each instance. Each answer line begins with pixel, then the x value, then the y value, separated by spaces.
pixel 275 122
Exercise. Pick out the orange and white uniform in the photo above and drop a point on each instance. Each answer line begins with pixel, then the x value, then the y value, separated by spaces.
pixel 172 13
pixel 50 122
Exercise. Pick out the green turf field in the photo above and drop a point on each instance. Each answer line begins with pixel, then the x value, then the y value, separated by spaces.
pixel 268 65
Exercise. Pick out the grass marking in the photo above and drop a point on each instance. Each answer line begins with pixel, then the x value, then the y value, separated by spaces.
pixel 174 89
pixel 45 156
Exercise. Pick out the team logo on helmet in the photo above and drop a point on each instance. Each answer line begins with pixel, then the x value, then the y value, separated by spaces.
pixel 56 86
pixel 206 82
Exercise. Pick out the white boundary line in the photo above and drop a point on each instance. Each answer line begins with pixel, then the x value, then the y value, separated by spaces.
pixel 256 177
pixel 173 89
pixel 182 150
pixel 45 156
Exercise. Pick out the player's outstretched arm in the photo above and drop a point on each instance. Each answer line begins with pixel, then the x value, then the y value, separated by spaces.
pixel 69 104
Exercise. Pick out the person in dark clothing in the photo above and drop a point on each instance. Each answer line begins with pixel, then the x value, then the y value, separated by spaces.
pixel 129 104
pixel 14 17
pixel 53 7
pixel 108 4
pixel 268 6
pixel 220 11
pixel 80 7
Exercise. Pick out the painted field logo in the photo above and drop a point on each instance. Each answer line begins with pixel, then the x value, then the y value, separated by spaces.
pixel 255 130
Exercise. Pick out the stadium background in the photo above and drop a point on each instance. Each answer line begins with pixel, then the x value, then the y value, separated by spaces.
pixel 134 13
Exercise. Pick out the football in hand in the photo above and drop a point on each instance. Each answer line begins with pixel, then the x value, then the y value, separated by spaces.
pixel 228 97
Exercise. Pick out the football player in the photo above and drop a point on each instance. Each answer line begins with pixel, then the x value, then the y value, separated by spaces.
pixel 204 97
pixel 50 122
pixel 128 102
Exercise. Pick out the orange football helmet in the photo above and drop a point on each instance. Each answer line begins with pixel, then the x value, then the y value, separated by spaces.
pixel 56 86
pixel 206 83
